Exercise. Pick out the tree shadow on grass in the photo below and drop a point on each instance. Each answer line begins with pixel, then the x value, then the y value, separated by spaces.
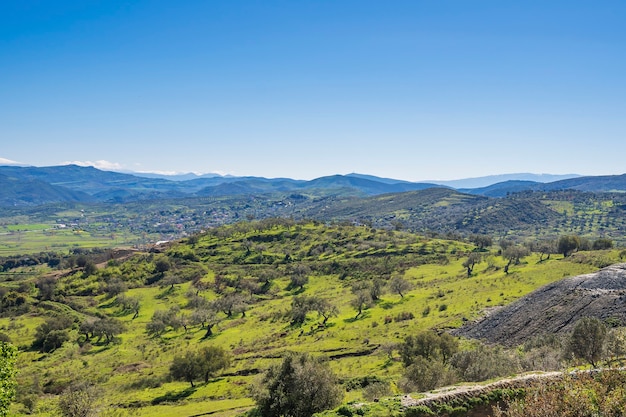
pixel 295 290
pixel 173 396
pixel 363 315
pixel 120 313
pixel 164 295
pixel 386 304
pixel 110 304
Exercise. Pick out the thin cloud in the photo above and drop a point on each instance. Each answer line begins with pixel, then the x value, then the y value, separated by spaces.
pixel 101 164
pixel 4 161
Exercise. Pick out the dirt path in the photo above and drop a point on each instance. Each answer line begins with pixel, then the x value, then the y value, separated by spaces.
pixel 445 394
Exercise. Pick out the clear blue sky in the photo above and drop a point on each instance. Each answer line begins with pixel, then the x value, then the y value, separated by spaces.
pixel 420 89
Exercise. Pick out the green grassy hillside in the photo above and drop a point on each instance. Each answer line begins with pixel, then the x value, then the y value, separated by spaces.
pixel 261 267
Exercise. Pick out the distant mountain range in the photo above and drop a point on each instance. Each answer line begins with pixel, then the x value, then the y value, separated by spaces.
pixel 480 182
pixel 30 186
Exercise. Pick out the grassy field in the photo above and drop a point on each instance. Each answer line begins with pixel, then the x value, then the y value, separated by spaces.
pixel 33 238
pixel 132 374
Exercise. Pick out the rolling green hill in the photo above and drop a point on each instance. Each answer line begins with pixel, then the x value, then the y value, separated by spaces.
pixel 252 274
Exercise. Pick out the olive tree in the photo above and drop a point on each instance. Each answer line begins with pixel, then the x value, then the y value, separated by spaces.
pixel 78 401
pixel 471 261
pixel 514 255
pixel 300 386
pixel 568 244
pixel 202 364
pixel 587 340
pixel 400 286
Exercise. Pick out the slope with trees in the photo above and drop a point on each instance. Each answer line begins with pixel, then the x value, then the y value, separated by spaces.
pixel 234 291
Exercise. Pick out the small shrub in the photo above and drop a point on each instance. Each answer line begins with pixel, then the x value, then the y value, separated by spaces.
pixel 405 315
pixel 377 390
pixel 345 411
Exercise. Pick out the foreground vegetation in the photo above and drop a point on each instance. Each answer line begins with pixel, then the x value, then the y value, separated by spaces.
pixel 190 328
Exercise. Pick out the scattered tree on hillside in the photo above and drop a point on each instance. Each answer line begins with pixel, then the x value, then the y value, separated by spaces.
pixel 89 269
pixel 430 346
pixel 114 287
pixel 78 401
pixel 568 244
pixel 424 375
pixel 602 243
pixel 51 334
pixel 207 318
pixel 162 265
pixel 299 277
pixel 108 328
pixel 194 365
pixel 482 241
pixel 200 286
pixel 471 261
pixel 299 386
pixel 231 304
pixel 81 261
pixel 186 367
pixel 46 287
pixel 162 319
pixel 129 304
pixel 170 280
pixel 587 340
pixel 505 243
pixel 514 254
pixel 376 288
pixel 325 309
pixel 300 307
pixel 361 301
pixel 400 286
pixel 195 301
pixel 212 359
pixel 484 363
pixel 545 248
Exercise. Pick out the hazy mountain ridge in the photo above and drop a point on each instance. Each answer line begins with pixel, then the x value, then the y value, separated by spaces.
pixel 107 186
pixel 480 182
pixel 33 192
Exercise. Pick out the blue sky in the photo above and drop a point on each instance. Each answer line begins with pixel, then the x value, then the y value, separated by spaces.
pixel 406 89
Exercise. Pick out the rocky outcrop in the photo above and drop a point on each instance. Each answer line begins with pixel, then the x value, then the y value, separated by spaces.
pixel 555 308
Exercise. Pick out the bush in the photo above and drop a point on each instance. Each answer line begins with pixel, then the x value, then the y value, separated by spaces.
pixel 78 401
pixel 484 363
pixel 297 387
pixel 428 345
pixel 587 340
pixel 51 334
pixel 424 375
pixel 405 315
pixel 377 390
pixel 578 395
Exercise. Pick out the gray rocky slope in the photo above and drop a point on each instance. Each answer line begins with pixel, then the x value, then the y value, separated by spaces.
pixel 555 308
